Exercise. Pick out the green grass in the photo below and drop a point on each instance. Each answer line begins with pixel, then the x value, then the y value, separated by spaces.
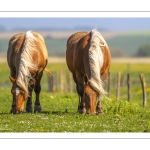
pixel 59 114
pixel 59 110
pixel 134 69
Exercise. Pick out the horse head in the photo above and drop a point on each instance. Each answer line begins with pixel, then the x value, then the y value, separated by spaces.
pixel 89 96
pixel 19 97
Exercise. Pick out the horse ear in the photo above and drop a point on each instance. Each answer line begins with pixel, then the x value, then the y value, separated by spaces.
pixel 12 79
pixel 85 78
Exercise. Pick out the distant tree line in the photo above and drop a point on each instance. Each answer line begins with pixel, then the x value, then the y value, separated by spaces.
pixel 143 51
pixel 117 52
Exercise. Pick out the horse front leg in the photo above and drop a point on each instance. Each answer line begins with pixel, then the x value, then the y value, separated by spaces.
pixel 29 101
pixel 79 105
pixel 13 106
pixel 99 108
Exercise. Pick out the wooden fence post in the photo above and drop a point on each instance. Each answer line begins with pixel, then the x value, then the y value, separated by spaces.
pixel 55 88
pixel 108 85
pixel 50 83
pixel 128 86
pixel 70 83
pixel 63 84
pixel 143 83
pixel 128 67
pixel 118 86
pixel 58 80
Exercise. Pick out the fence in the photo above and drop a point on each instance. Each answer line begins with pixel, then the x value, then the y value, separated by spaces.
pixel 121 81
pixel 62 81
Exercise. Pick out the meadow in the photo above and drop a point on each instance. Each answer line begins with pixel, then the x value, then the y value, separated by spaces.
pixel 59 109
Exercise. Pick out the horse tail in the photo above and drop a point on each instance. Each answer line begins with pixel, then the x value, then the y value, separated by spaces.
pixel 96 60
pixel 48 72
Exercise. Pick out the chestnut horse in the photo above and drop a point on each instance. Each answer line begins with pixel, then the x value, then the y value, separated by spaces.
pixel 88 58
pixel 27 58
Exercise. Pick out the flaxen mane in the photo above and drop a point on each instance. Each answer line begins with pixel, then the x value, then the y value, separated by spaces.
pixel 96 60
pixel 26 61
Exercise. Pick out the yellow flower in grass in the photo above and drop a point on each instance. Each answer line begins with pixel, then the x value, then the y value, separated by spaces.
pixel 147 89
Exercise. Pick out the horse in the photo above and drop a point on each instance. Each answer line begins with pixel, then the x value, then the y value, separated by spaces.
pixel 27 58
pixel 88 58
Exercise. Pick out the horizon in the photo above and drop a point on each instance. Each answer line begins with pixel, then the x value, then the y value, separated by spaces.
pixel 105 24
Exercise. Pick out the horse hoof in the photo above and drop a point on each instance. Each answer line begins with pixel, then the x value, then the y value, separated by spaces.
pixel 19 112
pixel 37 109
pixel 100 113
pixel 82 112
pixel 12 111
pixel 29 109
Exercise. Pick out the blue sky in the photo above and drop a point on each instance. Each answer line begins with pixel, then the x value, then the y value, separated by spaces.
pixel 113 24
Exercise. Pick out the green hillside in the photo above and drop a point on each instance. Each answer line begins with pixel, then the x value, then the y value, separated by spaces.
pixel 56 47
pixel 126 43
pixel 129 43
pixel 3 45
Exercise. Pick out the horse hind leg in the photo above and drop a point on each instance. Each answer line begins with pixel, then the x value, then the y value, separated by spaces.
pixel 81 105
pixel 29 101
pixel 37 105
pixel 13 74
pixel 37 90
pixel 79 88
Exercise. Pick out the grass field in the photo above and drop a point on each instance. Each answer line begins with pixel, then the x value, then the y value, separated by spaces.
pixel 59 110
pixel 59 114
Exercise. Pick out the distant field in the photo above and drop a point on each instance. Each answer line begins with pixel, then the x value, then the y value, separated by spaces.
pixel 125 60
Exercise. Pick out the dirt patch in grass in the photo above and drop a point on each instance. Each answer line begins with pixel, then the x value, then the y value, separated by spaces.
pixel 131 60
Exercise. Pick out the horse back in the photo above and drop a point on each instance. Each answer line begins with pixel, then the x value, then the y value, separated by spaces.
pixel 41 45
pixel 15 49
pixel 71 48
pixel 77 54
pixel 81 54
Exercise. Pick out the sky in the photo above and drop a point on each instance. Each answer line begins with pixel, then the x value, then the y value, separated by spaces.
pixel 113 24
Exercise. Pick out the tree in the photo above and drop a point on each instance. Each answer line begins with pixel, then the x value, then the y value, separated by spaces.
pixel 143 51
pixel 117 53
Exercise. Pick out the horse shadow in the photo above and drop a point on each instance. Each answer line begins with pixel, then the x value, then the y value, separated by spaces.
pixel 42 112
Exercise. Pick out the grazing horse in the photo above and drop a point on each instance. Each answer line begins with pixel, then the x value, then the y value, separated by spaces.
pixel 88 58
pixel 27 58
